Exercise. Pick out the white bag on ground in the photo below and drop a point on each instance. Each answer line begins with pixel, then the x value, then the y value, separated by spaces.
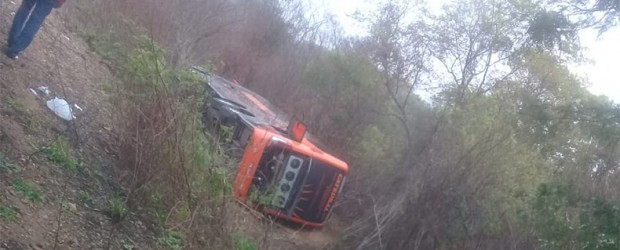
pixel 61 108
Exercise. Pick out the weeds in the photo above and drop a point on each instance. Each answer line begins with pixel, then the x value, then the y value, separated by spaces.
pixel 226 132
pixel 8 213
pixel 128 245
pixel 265 197
pixel 58 153
pixel 95 173
pixel 28 190
pixel 24 114
pixel 86 198
pixel 171 240
pixel 69 207
pixel 215 184
pixel 8 167
pixel 242 242
pixel 117 209
pixel 183 213
pixel 99 175
pixel 157 205
pixel 104 44
pixel 172 167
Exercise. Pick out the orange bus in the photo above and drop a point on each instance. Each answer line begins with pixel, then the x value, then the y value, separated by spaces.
pixel 283 172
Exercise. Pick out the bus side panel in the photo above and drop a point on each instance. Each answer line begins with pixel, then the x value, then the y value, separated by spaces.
pixel 249 163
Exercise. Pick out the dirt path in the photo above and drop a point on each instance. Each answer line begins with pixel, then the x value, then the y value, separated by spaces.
pixel 280 236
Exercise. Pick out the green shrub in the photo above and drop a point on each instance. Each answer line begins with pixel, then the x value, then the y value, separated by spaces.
pixel 176 165
pixel 117 209
pixel 107 44
pixel 171 240
pixel 58 153
pixel 242 242
pixel 565 220
pixel 158 207
pixel 8 167
pixel 146 65
pixel 8 213
pixel 86 198
pixel 28 190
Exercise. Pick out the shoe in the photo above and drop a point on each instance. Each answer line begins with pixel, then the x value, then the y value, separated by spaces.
pixel 14 57
pixel 11 55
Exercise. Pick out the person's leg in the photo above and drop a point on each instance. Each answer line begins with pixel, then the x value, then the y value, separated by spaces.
pixel 21 16
pixel 41 9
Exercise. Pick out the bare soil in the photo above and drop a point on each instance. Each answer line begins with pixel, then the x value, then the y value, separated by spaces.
pixel 73 213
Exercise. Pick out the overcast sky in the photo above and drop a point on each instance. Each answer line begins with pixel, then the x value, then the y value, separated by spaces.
pixel 603 74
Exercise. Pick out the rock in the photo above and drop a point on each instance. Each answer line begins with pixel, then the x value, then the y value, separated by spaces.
pixel 37 246
pixel 72 207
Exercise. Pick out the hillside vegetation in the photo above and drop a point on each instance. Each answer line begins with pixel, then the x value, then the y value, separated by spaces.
pixel 464 128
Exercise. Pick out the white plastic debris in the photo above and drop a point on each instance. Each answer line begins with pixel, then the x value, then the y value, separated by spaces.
pixel 77 107
pixel 44 89
pixel 61 108
pixel 34 92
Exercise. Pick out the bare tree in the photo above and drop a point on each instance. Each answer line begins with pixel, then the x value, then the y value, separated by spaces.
pixel 474 42
pixel 399 50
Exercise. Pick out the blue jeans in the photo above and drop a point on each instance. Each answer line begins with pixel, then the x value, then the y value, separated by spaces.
pixel 27 22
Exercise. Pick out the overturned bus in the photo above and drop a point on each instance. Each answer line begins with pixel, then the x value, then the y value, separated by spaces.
pixel 283 172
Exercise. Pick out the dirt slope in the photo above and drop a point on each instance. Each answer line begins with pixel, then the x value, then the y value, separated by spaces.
pixel 73 203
